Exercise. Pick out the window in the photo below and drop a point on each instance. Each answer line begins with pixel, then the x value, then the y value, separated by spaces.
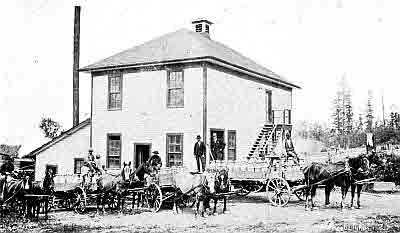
pixel 114 151
pixel 115 90
pixel 207 28
pixel 231 145
pixel 175 89
pixel 174 150
pixel 199 27
pixel 78 164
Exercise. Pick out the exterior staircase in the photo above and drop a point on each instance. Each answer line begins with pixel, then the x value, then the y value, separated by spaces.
pixel 266 140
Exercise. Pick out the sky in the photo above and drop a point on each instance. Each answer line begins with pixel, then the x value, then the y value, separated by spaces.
pixel 313 43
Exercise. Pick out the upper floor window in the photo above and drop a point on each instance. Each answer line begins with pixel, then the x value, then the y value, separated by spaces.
pixel 175 95
pixel 115 90
pixel 114 151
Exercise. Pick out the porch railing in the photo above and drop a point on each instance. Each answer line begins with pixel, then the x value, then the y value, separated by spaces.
pixel 282 116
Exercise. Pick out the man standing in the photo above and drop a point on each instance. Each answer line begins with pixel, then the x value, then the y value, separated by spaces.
pixel 217 148
pixel 199 152
pixel 290 149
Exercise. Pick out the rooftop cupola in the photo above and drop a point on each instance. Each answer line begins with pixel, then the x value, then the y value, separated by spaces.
pixel 202 26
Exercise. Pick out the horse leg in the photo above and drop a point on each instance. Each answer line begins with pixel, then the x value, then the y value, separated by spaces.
pixel 201 206
pixel 307 192
pixel 344 189
pixel 215 204
pixel 328 190
pixel 98 198
pixel 313 191
pixel 359 187
pixel 133 200
pixel 224 209
pixel 353 190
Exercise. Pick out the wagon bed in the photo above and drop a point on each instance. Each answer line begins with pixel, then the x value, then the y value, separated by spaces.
pixel 279 180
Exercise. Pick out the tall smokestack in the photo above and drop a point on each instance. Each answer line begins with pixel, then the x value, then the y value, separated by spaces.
pixel 76 66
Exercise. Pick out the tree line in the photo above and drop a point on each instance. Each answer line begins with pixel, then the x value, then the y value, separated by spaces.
pixel 345 130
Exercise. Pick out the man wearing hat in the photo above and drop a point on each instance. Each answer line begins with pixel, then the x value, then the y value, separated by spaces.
pixel 217 147
pixel 199 152
pixel 155 160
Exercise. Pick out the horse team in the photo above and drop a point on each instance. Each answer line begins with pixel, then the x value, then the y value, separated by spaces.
pixel 199 187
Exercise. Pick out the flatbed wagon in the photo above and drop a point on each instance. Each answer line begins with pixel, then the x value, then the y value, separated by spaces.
pixel 278 179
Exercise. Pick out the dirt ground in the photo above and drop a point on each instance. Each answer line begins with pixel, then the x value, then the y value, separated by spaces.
pixel 380 213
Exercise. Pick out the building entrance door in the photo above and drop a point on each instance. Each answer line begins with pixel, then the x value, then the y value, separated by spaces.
pixel 142 153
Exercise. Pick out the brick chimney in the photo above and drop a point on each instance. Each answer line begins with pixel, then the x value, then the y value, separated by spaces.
pixel 202 26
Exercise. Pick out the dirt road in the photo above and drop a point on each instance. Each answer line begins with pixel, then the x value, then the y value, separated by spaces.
pixel 249 214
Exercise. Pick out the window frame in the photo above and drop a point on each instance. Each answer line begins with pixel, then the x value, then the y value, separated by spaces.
pixel 75 165
pixel 229 148
pixel 108 150
pixel 167 159
pixel 51 166
pixel 111 75
pixel 168 88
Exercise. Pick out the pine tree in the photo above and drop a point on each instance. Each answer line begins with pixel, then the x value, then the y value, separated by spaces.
pixel 342 115
pixel 369 116
pixel 360 125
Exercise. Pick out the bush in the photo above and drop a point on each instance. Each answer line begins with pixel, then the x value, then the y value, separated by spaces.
pixel 389 170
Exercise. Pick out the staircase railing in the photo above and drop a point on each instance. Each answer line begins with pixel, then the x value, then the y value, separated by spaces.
pixel 270 137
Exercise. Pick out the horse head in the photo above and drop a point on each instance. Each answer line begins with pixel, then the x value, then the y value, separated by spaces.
pixel 360 166
pixel 221 182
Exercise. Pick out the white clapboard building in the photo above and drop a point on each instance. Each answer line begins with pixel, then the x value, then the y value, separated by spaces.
pixel 161 94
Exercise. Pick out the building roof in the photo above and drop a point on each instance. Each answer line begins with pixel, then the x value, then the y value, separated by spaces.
pixel 185 46
pixel 62 136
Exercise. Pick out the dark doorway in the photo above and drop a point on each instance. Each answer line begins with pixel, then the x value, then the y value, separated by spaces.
pixel 268 107
pixel 220 136
pixel 54 168
pixel 142 153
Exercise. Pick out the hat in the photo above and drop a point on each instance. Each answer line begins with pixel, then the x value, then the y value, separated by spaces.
pixel 155 152
pixel 90 149
pixel 198 137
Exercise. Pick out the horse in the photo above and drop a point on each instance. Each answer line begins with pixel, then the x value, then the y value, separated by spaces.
pixel 331 175
pixel 12 189
pixel 360 169
pixel 109 186
pixel 342 174
pixel 186 185
pixel 220 185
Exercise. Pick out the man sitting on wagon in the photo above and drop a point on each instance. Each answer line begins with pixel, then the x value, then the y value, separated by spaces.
pixel 290 152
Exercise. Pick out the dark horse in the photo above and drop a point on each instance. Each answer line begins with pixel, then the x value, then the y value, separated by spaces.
pixel 340 174
pixel 360 169
pixel 221 185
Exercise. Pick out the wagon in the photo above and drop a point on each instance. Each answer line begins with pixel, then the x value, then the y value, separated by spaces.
pixel 157 190
pixel 280 180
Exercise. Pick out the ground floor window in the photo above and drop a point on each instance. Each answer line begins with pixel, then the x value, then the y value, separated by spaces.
pixel 78 164
pixel 114 151
pixel 174 150
pixel 231 145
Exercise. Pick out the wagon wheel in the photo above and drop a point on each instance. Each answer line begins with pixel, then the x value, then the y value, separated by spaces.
pixel 153 197
pixel 79 201
pixel 278 191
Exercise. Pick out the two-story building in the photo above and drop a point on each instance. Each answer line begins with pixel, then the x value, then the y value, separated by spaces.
pixel 161 94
